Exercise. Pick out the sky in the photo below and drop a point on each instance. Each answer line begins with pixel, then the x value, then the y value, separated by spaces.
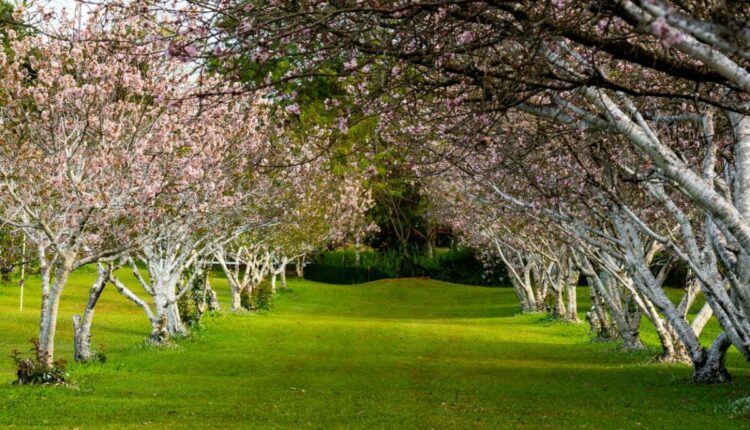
pixel 68 4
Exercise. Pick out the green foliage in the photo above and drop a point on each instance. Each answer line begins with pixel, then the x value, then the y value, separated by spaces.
pixel 187 309
pixel 7 22
pixel 98 356
pixel 11 255
pixel 740 408
pixel 262 297
pixel 451 264
pixel 189 305
pixel 31 371
pixel 246 300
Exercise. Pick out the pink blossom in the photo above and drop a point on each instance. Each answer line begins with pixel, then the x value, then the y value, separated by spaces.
pixel 191 50
pixel 342 126
pixel 293 109
pixel 668 36
pixel 244 28
pixel 351 64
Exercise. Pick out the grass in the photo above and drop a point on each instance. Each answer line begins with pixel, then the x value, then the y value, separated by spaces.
pixel 392 354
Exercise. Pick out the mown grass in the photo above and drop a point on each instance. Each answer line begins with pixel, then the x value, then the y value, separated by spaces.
pixel 392 354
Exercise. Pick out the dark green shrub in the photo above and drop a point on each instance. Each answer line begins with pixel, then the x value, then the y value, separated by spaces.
pixel 262 296
pixel 246 300
pixel 187 309
pixel 32 371
pixel 98 356
pixel 459 265
pixel 190 304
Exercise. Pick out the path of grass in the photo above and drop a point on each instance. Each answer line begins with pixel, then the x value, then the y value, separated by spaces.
pixel 392 354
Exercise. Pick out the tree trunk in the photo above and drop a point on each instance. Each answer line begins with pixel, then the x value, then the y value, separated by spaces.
pixel 673 350
pixel 538 286
pixel 356 252
pixel 213 302
pixel 572 314
pixel 82 326
pixel 300 266
pixel 597 316
pixel 174 325
pixel 236 299
pixel 713 370
pixel 50 307
pixel 559 303
pixel 22 281
pixel 283 273
pixel 523 299
pixel 527 284
pixel 159 333
pixel 701 319
pixel 430 239
pixel 628 332
pixel 165 303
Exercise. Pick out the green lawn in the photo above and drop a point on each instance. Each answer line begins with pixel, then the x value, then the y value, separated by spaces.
pixel 396 354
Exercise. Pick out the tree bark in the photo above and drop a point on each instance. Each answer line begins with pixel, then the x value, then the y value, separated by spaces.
pixel 213 301
pixel 356 252
pixel 560 311
pixel 713 370
pixel 236 285
pixel 282 273
pixel 300 266
pixel 626 329
pixel 597 316
pixel 572 314
pixel 236 299
pixel 50 308
pixel 82 326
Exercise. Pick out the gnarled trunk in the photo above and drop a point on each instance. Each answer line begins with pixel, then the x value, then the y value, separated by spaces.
pixel 713 370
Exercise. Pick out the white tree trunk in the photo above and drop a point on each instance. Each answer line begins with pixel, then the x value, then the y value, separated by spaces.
pixel 300 266
pixel 572 311
pixel 356 252
pixel 164 286
pixel 284 263
pixel 50 307
pixel 627 330
pixel 82 325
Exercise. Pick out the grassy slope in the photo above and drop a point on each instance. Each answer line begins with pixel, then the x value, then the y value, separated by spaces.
pixel 392 354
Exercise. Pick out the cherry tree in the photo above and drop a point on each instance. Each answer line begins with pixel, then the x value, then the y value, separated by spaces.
pixel 313 207
pixel 218 189
pixel 83 120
